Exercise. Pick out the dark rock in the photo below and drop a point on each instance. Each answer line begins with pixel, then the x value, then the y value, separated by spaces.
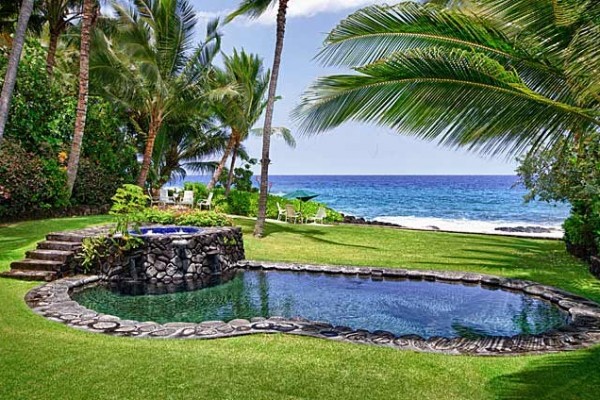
pixel 523 229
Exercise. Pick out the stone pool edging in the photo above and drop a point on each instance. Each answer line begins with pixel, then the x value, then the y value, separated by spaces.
pixel 53 302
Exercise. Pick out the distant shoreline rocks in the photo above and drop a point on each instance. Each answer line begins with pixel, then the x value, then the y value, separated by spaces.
pixel 350 219
pixel 525 229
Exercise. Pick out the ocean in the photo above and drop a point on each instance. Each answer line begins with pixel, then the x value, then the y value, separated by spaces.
pixel 454 203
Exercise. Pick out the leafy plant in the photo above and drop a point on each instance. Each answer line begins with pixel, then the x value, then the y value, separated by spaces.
pixel 129 203
pixel 93 249
pixel 129 207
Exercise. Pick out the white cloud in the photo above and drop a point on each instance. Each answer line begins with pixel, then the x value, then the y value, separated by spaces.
pixel 309 8
pixel 210 15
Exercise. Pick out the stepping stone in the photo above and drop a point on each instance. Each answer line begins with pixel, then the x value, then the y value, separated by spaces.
pixel 52 255
pixel 65 237
pixel 29 275
pixel 37 265
pixel 54 245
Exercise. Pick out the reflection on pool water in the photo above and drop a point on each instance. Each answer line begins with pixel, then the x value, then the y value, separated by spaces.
pixel 398 306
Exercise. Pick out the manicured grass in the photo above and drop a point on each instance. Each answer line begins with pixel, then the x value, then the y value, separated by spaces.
pixel 42 359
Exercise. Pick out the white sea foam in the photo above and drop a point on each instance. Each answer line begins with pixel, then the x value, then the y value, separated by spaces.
pixel 471 226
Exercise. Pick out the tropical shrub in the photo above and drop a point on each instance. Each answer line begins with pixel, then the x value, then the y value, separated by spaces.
pixel 95 184
pixel 29 183
pixel 156 215
pixel 569 173
pixel 203 218
pixel 239 202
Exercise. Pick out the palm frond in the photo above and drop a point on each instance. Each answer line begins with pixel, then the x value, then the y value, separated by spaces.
pixel 377 32
pixel 251 9
pixel 278 131
pixel 457 97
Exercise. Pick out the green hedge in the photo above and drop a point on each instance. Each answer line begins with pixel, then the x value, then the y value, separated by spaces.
pixel 155 215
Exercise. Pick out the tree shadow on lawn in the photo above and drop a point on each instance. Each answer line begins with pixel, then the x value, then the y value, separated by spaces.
pixel 573 375
pixel 313 234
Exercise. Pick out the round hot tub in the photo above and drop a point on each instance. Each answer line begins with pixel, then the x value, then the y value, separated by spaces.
pixel 167 230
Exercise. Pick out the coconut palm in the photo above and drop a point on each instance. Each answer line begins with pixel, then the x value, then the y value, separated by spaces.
pixel 150 65
pixel 89 13
pixel 238 94
pixel 492 75
pixel 186 147
pixel 59 14
pixel 254 9
pixel 13 62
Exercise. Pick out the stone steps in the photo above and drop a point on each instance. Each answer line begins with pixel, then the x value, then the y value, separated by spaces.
pixel 29 275
pixel 38 265
pixel 51 255
pixel 65 237
pixel 49 261
pixel 57 245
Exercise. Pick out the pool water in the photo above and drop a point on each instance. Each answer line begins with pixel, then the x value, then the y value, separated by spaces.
pixel 398 306
pixel 169 230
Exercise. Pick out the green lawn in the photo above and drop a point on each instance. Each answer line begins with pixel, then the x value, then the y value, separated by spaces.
pixel 42 359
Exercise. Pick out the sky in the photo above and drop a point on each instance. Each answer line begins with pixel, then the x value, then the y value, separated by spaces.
pixel 352 149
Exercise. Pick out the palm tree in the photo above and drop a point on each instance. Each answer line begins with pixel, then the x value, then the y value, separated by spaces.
pixel 59 14
pixel 88 16
pixel 253 9
pixel 149 66
pixel 240 93
pixel 186 147
pixel 238 96
pixel 13 63
pixel 492 75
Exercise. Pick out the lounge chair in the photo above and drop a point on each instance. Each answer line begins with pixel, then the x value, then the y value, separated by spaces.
pixel 153 199
pixel 206 202
pixel 319 216
pixel 292 214
pixel 280 212
pixel 164 198
pixel 188 198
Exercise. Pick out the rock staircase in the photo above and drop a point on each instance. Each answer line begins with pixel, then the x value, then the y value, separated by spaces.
pixel 52 259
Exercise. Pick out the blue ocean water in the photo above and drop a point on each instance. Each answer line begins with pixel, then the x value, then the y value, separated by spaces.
pixel 463 203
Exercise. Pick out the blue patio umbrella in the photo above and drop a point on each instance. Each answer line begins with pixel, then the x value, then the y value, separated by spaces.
pixel 302 195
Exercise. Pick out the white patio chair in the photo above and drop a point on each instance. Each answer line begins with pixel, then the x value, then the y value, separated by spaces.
pixel 164 198
pixel 280 212
pixel 206 202
pixel 188 198
pixel 319 216
pixel 292 214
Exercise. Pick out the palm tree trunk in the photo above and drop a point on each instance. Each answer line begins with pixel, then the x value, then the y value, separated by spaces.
pixel 155 124
pixel 219 170
pixel 13 63
pixel 82 101
pixel 264 167
pixel 51 56
pixel 230 178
